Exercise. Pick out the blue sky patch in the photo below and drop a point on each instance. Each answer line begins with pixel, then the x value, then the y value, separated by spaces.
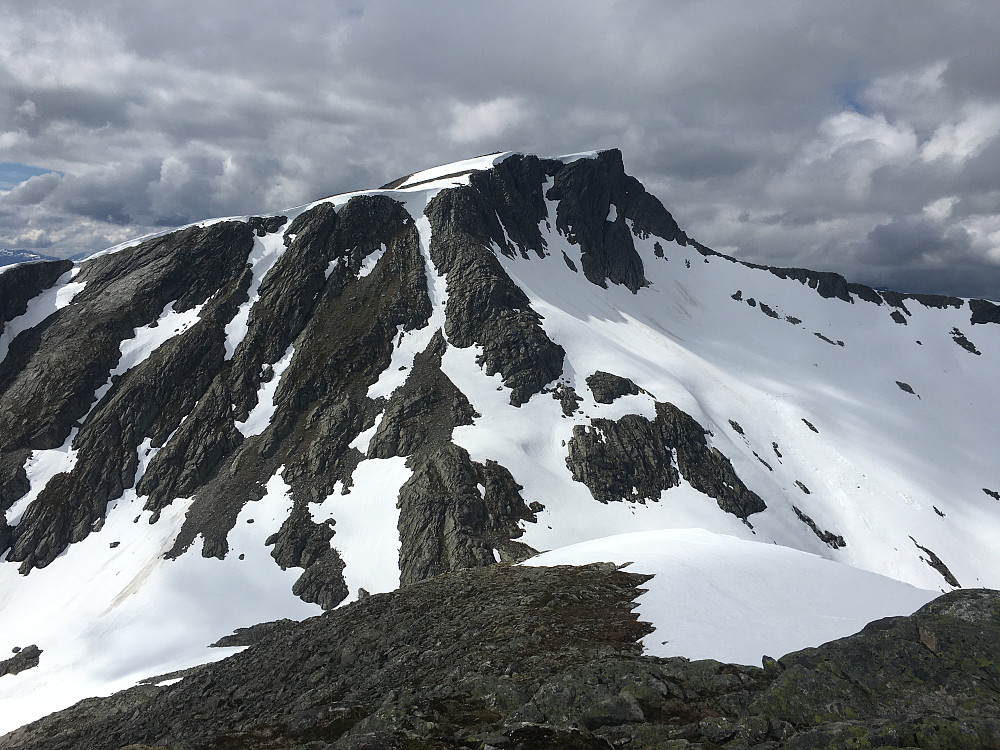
pixel 13 174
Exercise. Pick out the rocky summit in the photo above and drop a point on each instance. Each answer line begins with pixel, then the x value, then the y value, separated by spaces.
pixel 356 445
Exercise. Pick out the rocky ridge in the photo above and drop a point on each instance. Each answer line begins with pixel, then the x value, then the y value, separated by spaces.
pixel 533 658
pixel 375 328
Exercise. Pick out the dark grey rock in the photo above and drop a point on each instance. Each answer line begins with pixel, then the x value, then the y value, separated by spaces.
pixel 484 306
pixel 834 541
pixel 447 523
pixel 76 348
pixel 18 285
pixel 424 411
pixel 632 459
pixel 984 311
pixel 768 311
pixel 959 338
pixel 23 658
pixel 567 397
pixel 607 387
pixel 585 190
pixel 935 562
pixel 303 543
pixel 510 657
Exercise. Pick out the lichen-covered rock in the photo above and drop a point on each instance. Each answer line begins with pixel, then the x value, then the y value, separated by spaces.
pixel 525 657
pixel 418 665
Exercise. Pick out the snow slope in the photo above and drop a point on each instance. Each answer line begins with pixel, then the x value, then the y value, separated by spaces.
pixel 714 596
pixel 808 423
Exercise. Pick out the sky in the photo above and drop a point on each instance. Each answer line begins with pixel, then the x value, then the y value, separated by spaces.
pixel 858 137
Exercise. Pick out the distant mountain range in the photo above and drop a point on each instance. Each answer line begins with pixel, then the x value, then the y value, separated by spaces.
pixel 9 257
pixel 345 406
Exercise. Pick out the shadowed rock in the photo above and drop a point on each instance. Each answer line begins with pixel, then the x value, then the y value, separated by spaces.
pixel 633 459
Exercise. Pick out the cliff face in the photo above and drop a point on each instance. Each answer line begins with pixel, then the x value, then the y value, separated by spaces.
pixel 271 416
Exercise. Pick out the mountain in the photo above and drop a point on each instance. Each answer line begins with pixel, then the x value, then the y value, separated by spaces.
pixel 265 417
pixel 9 257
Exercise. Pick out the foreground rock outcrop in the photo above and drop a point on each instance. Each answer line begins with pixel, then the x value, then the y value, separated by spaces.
pixel 511 657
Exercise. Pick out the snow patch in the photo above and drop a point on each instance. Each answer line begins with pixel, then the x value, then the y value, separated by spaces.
pixel 265 253
pixel 718 597
pixel 42 466
pixel 367 525
pixel 368 264
pixel 260 416
pixel 40 307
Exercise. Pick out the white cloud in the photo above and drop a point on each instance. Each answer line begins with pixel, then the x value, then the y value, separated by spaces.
pixel 472 123
pixel 958 141
pixel 940 209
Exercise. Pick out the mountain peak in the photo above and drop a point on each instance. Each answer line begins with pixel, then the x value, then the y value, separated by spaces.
pixel 266 417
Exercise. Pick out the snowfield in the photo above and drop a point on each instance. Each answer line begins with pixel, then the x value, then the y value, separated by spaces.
pixel 807 401
pixel 713 596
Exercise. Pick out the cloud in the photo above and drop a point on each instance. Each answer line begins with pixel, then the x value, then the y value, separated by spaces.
pixel 475 123
pixel 831 129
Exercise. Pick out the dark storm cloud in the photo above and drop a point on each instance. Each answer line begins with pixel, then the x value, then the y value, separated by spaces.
pixel 818 134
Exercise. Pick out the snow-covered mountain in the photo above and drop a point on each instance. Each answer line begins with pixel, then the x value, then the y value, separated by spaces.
pixel 262 417
pixel 10 257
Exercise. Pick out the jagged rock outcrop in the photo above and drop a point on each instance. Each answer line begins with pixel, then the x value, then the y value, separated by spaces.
pixel 595 198
pixel 484 306
pixel 607 387
pixel 515 657
pixel 24 281
pixel 23 658
pixel 72 354
pixel 454 512
pixel 303 543
pixel 632 459
pixel 984 311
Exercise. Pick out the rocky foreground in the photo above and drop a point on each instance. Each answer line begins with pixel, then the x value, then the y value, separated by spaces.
pixel 513 657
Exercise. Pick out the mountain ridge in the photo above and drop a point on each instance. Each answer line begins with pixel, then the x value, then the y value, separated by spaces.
pixel 390 385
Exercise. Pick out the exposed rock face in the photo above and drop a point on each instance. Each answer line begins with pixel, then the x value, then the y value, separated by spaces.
pixel 41 402
pixel 24 658
pixel 302 543
pixel 935 562
pixel 24 281
pixel 454 512
pixel 342 328
pixel 633 459
pixel 510 657
pixel 586 190
pixel 484 306
pixel 607 387
pixel 984 312
pixel 834 541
